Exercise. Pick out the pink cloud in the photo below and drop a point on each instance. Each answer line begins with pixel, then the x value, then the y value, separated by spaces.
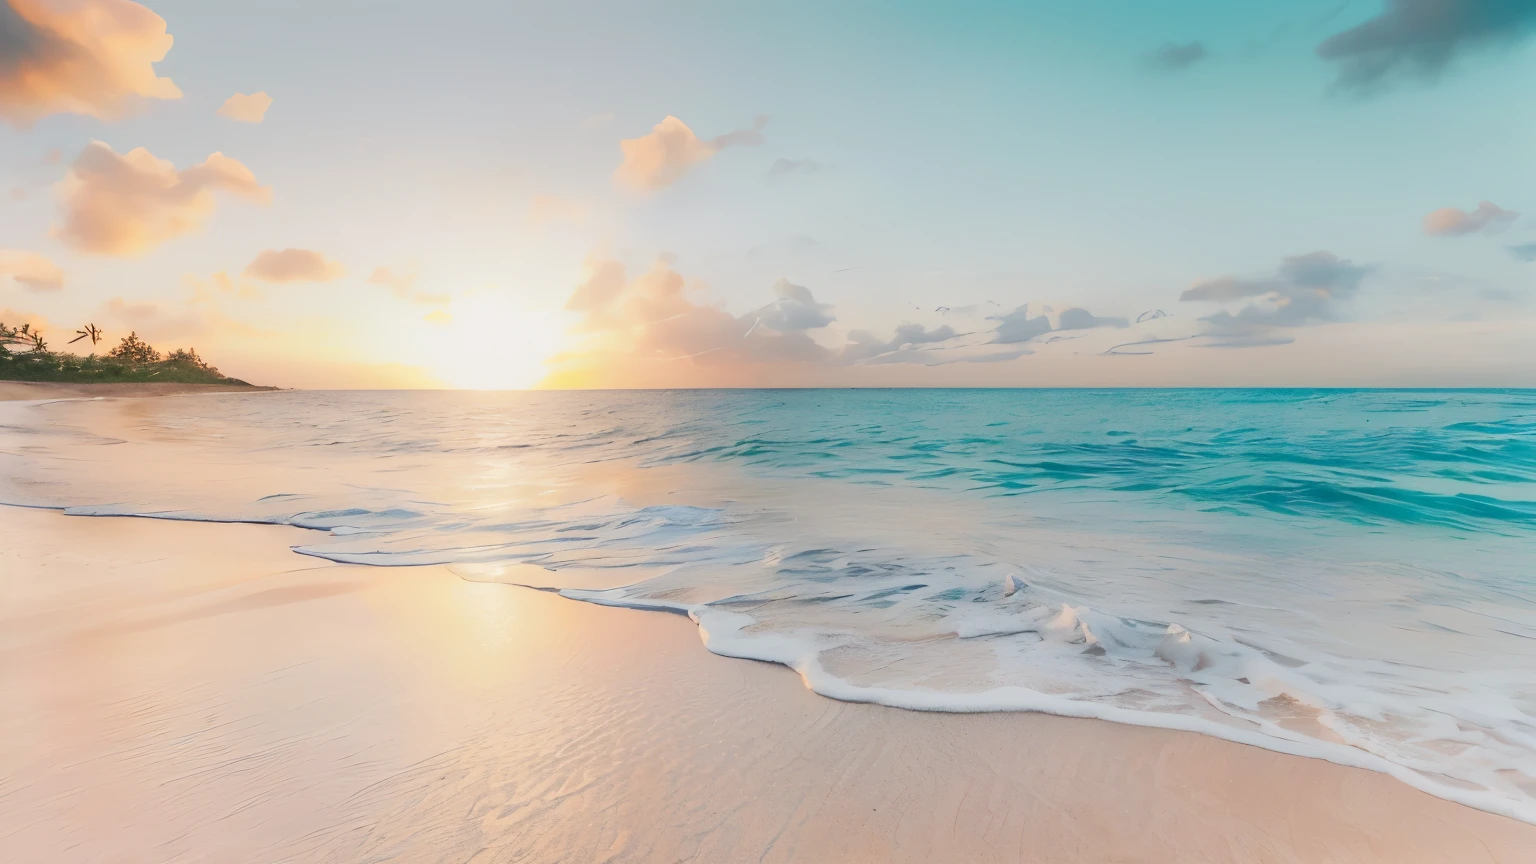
pixel 650 328
pixel 246 109
pixel 91 57
pixel 664 155
pixel 403 285
pixel 126 204
pixel 293 265
pixel 30 270
pixel 1455 222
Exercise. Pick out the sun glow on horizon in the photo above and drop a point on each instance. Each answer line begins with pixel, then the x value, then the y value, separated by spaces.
pixel 489 341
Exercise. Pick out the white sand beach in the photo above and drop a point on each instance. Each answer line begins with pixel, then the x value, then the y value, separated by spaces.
pixel 196 692
pixel 24 390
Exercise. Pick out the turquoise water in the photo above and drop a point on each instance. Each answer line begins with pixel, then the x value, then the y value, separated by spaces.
pixel 1341 574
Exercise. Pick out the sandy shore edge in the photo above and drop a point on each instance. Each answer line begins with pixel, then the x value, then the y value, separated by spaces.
pixel 173 691
pixel 11 391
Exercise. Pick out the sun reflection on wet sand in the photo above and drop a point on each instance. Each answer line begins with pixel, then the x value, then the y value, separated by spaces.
pixel 181 692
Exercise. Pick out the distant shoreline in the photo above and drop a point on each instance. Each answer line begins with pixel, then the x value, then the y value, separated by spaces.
pixel 11 391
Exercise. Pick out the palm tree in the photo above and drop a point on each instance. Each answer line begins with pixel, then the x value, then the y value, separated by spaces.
pixel 90 331
pixel 23 335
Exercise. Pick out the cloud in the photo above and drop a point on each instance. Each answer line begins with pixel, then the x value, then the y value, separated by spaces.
pixel 400 283
pixel 293 265
pixel 544 209
pixel 403 285
pixel 152 321
pixel 1523 251
pixel 126 204
pixel 650 328
pixel 1081 319
pixel 1421 38
pixel 788 167
pixel 16 318
pixel 1306 289
pixel 795 310
pixel 1172 57
pixel 246 109
pixel 660 158
pixel 864 346
pixel 30 270
pixel 1017 326
pixel 91 57
pixel 1488 218
pixel 749 137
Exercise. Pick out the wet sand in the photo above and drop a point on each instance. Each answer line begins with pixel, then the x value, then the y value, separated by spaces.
pixel 196 692
pixel 17 390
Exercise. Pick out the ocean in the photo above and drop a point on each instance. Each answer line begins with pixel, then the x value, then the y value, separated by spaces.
pixel 1341 574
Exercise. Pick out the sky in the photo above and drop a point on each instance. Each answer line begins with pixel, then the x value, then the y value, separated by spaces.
pixel 689 194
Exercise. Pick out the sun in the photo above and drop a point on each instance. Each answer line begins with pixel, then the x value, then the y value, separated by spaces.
pixel 488 341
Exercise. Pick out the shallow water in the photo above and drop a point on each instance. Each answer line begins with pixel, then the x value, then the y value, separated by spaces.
pixel 1342 574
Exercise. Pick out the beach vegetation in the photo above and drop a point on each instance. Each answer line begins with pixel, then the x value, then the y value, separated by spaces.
pixel 25 356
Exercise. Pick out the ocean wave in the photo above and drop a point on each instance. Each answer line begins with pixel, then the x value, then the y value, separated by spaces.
pixel 1335 574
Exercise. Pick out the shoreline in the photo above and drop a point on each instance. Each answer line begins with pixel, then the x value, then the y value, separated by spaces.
pixel 191 688
pixel 13 391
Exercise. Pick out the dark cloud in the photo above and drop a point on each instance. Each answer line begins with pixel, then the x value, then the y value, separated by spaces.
pixel 20 39
pixel 865 346
pixel 1081 319
pixel 1523 251
pixel 1172 57
pixel 1316 274
pixel 1017 326
pixel 787 167
pixel 917 334
pixel 795 310
pixel 1306 289
pixel 749 137
pixel 1489 218
pixel 1420 38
